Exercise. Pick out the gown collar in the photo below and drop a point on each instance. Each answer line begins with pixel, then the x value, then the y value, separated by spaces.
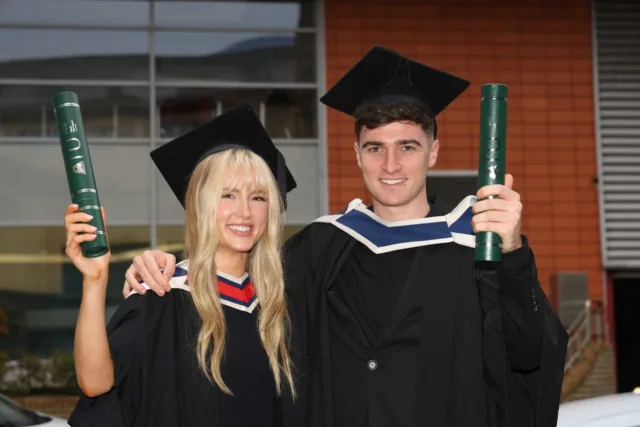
pixel 381 236
pixel 235 292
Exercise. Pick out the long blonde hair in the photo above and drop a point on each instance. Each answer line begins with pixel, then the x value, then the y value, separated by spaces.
pixel 235 168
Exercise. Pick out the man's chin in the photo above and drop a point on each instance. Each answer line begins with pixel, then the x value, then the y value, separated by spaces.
pixel 392 202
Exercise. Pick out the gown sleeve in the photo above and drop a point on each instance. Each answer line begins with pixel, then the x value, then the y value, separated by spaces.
pixel 118 407
pixel 295 262
pixel 525 343
pixel 299 271
pixel 519 293
pixel 302 253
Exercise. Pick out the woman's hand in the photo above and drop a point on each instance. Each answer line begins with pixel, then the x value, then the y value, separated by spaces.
pixel 75 222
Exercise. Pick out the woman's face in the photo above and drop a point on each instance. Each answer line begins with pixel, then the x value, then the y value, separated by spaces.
pixel 242 217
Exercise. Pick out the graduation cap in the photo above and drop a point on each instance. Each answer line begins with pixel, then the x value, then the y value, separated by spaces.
pixel 385 75
pixel 237 128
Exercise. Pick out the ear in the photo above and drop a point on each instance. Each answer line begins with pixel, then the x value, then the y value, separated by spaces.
pixel 356 148
pixel 433 153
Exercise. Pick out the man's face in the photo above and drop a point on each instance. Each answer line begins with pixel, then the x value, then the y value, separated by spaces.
pixel 394 159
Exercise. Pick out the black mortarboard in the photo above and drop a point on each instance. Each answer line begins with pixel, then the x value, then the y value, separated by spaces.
pixel 383 74
pixel 239 127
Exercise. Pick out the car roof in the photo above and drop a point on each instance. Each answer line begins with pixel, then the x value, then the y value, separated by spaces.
pixel 579 412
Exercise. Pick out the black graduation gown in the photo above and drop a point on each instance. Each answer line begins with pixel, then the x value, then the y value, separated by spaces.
pixel 490 350
pixel 158 382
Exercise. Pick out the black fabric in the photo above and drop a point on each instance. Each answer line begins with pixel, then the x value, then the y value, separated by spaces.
pixel 361 306
pixel 465 346
pixel 281 178
pixel 159 383
pixel 369 287
pixel 361 303
pixel 246 371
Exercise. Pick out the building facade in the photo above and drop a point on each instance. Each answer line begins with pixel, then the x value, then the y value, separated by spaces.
pixel 147 71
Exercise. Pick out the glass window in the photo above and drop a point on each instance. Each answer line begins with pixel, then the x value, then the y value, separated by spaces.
pixel 170 211
pixel 236 14
pixel 303 201
pixel 123 241
pixel 73 54
pixel 285 113
pixel 108 112
pixel 41 296
pixel 75 12
pixel 236 56
pixel 171 238
pixel 35 189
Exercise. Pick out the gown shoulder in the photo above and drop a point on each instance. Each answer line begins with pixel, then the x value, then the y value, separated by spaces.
pixel 131 335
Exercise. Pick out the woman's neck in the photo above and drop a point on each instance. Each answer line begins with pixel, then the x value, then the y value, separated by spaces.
pixel 231 262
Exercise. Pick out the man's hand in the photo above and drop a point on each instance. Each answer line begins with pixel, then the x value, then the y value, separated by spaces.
pixel 146 267
pixel 501 215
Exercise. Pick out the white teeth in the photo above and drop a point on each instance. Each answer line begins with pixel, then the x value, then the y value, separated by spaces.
pixel 393 181
pixel 240 227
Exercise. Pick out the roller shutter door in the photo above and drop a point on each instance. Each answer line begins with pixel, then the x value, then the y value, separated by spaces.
pixel 617 89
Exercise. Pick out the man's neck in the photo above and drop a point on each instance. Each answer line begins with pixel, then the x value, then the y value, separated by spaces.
pixel 416 209
pixel 232 263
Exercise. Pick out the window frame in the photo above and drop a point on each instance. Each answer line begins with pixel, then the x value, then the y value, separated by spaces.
pixel 153 85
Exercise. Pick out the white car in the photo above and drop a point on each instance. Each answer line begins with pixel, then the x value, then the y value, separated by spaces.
pixel 13 415
pixel 615 410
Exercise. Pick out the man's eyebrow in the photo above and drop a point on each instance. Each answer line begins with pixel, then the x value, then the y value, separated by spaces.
pixel 398 142
pixel 372 144
pixel 408 142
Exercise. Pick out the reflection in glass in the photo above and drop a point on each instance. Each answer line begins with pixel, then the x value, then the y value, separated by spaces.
pixel 303 203
pixel 74 12
pixel 73 54
pixel 286 113
pixel 34 188
pixel 237 57
pixel 108 112
pixel 41 297
pixel 237 14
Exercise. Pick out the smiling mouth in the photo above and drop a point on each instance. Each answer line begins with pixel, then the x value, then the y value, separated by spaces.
pixel 393 181
pixel 241 229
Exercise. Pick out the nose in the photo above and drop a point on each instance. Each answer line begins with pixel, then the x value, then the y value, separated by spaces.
pixel 391 164
pixel 244 210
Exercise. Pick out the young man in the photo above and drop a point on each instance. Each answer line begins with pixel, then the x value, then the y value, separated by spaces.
pixel 400 325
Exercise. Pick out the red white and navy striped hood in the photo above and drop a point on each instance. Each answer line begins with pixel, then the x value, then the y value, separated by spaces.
pixel 235 292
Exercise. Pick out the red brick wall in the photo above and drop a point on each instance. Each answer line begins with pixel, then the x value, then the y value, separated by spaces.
pixel 542 50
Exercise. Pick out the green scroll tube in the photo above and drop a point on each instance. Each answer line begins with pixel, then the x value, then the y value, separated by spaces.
pixel 493 140
pixel 77 161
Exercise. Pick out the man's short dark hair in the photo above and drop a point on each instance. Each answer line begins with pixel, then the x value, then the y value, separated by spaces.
pixel 379 113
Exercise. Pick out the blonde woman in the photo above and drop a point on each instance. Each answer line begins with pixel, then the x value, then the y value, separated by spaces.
pixel 214 351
